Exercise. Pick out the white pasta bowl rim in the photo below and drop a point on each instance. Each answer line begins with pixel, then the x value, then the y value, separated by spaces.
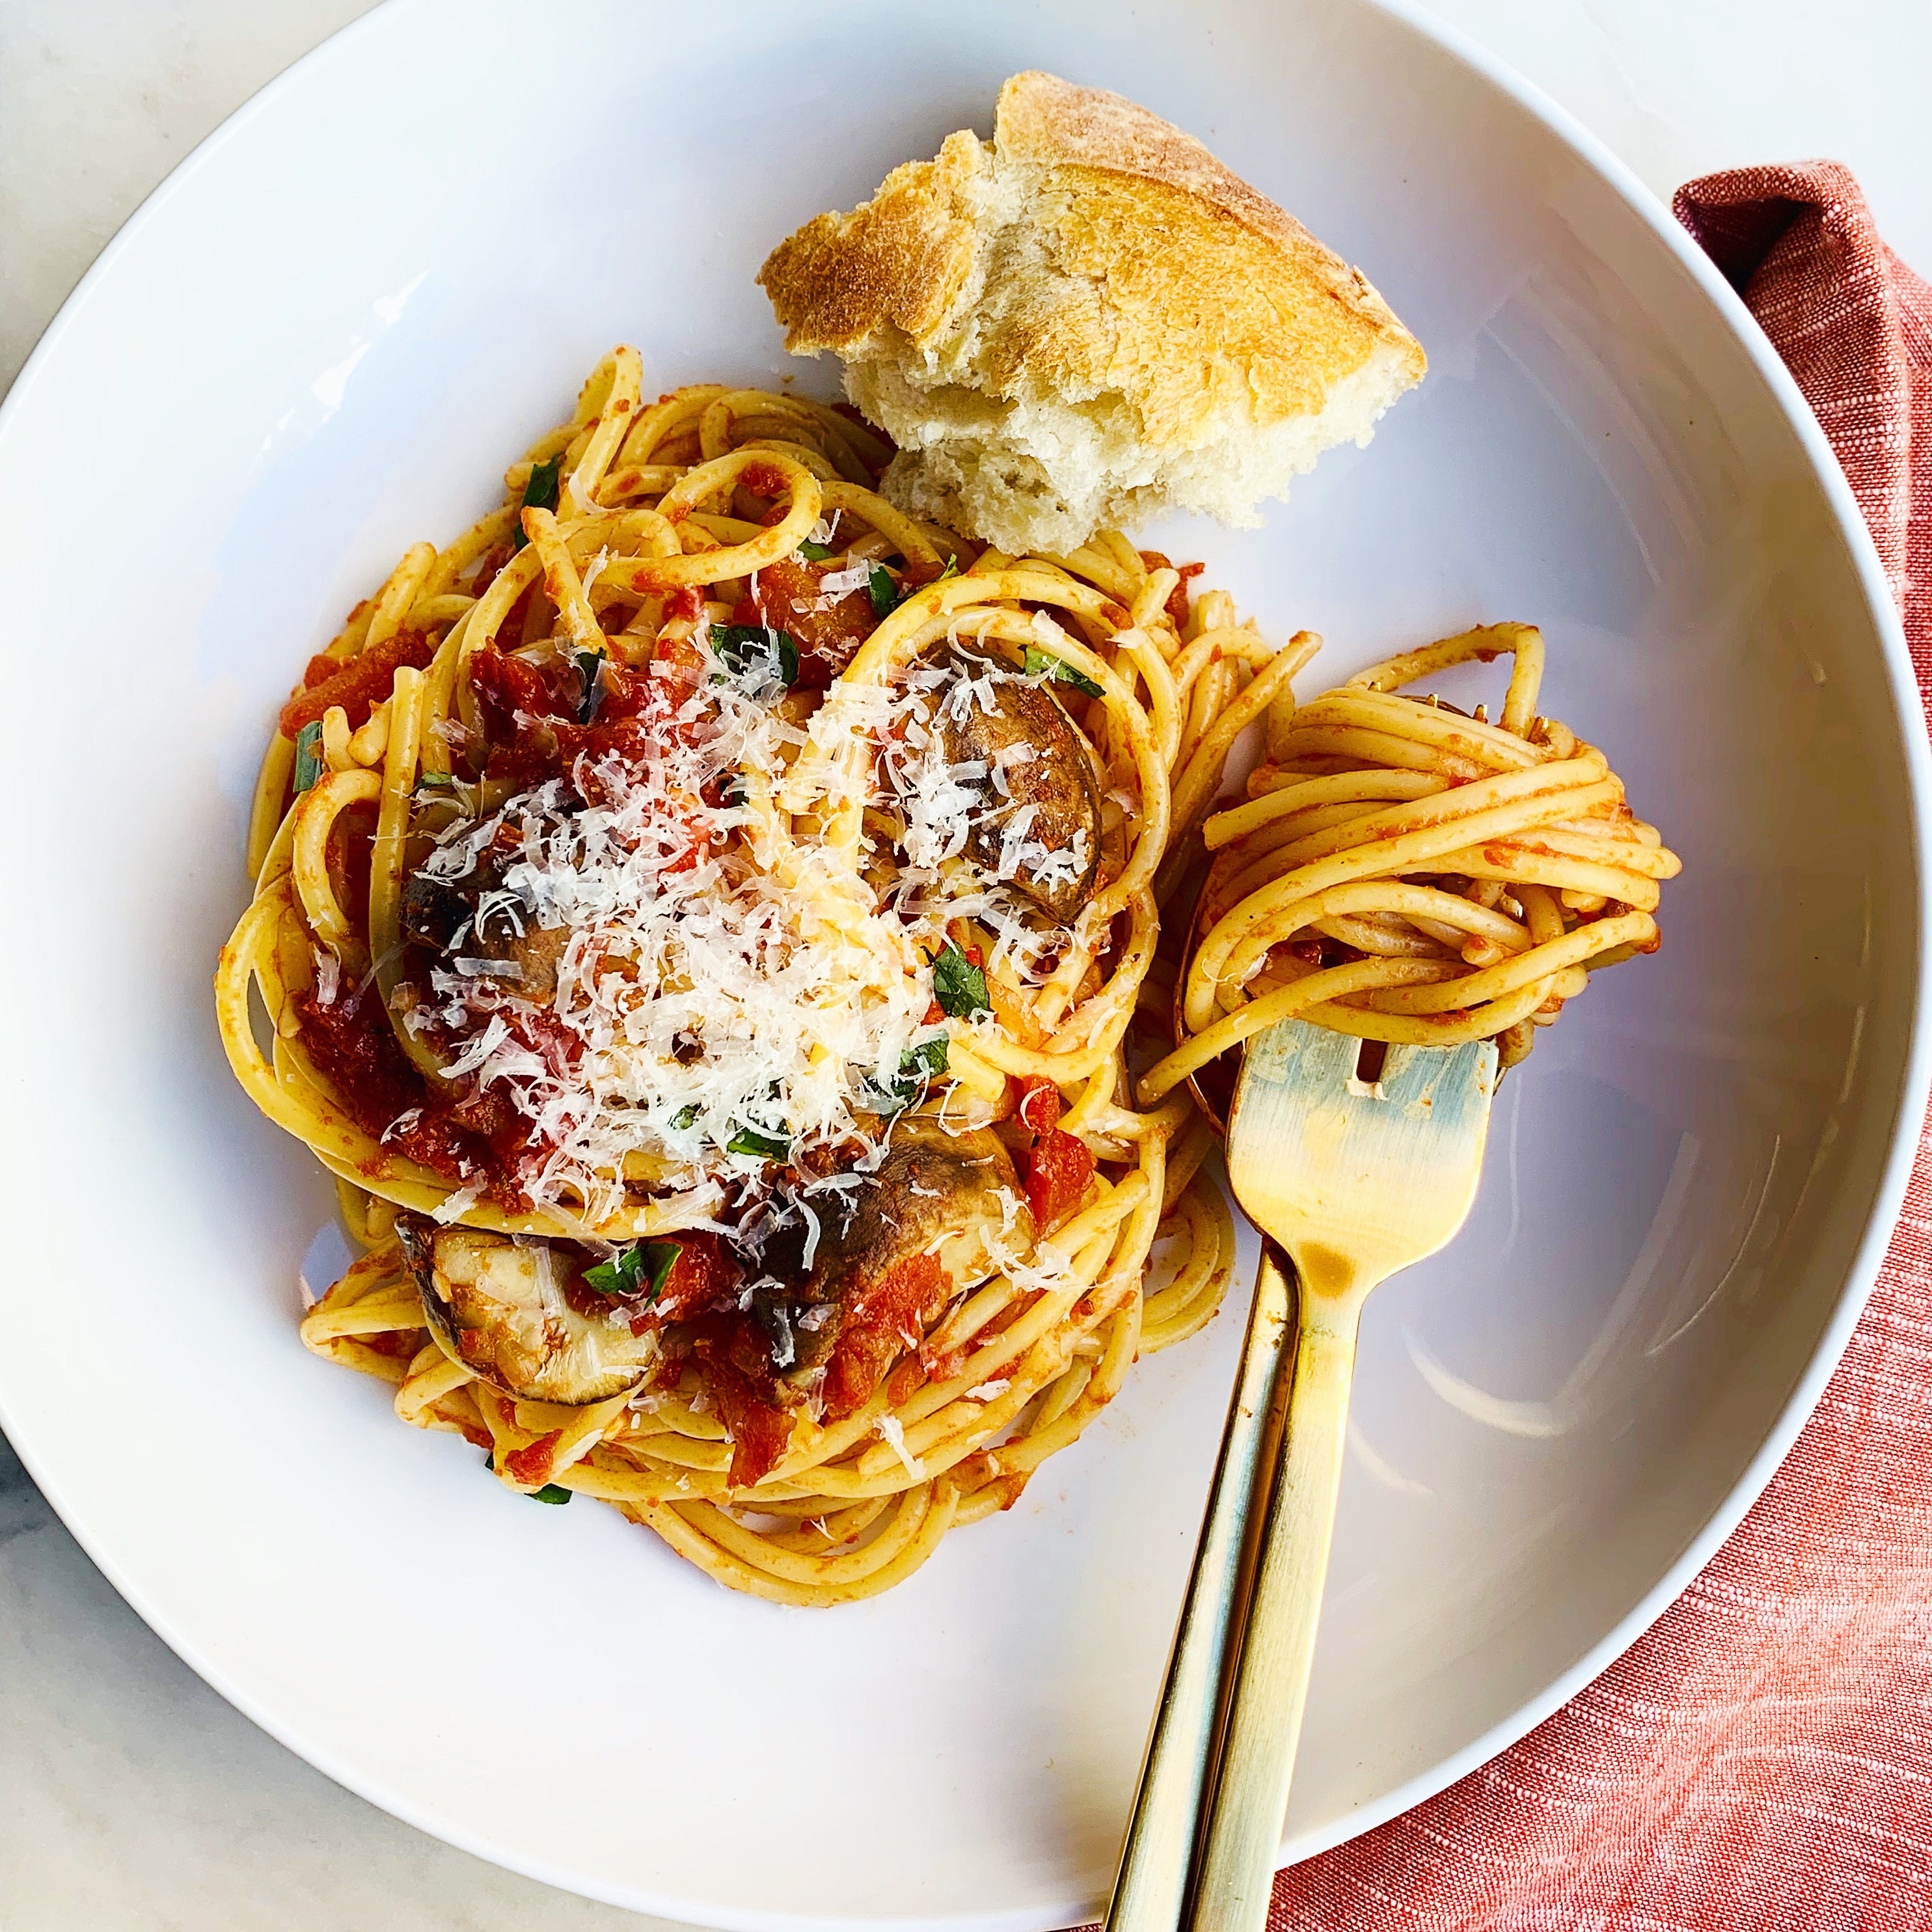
pixel 1917 1074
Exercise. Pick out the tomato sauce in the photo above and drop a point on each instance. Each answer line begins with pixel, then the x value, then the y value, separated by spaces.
pixel 1177 606
pixel 353 1049
pixel 532 711
pixel 733 1357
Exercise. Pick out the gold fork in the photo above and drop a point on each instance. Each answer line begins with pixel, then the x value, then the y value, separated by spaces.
pixel 1354 1162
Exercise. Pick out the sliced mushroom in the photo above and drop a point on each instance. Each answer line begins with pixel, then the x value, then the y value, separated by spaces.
pixel 871 1291
pixel 950 1195
pixel 435 912
pixel 498 1307
pixel 1043 764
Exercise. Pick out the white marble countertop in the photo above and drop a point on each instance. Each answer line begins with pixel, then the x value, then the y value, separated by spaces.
pixel 132 1798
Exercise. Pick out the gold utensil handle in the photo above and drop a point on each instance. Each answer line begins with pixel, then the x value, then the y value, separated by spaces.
pixel 1150 1893
pixel 1242 1837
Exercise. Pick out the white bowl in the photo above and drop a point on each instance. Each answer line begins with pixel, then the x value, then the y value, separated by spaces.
pixel 321 339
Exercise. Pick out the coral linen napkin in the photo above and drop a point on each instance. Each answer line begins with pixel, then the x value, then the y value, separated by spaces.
pixel 1762 1758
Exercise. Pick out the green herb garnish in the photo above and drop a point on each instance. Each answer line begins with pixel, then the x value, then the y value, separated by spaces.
pixel 540 493
pixel 927 1060
pixel 436 781
pixel 685 1116
pixel 919 1066
pixel 1039 662
pixel 957 984
pixel 641 1269
pixel 768 1147
pixel 308 756
pixel 749 649
pixel 592 702
pixel 816 552
pixel 885 594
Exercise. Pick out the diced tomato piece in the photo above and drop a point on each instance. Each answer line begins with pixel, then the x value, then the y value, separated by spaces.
pixel 760 1430
pixel 783 596
pixel 509 684
pixel 883 1319
pixel 703 1273
pixel 359 684
pixel 1061 1165
pixel 353 1048
pixel 1057 1175
pixel 1040 1105
pixel 533 1465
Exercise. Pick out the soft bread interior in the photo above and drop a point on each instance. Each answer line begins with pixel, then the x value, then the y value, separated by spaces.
pixel 1086 322
pixel 1045 474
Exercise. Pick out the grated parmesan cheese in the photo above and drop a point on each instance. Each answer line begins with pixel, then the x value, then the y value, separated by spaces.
pixel 893 1435
pixel 706 991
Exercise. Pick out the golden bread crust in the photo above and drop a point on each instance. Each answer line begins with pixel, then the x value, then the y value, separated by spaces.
pixel 1135 264
pixel 899 261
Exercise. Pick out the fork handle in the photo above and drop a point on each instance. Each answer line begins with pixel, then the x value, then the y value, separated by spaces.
pixel 1242 1836
pixel 1151 1893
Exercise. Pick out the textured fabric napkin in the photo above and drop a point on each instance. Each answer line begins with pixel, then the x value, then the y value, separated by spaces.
pixel 1762 1758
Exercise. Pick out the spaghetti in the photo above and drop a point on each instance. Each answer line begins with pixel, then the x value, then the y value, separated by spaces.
pixel 699 916
pixel 1405 873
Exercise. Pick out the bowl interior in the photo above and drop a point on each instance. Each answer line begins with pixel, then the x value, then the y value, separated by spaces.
pixel 322 342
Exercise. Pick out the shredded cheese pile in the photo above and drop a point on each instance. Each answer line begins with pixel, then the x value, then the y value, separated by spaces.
pixel 706 1012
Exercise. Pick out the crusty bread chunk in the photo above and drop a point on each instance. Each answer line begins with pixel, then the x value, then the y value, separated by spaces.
pixel 1085 322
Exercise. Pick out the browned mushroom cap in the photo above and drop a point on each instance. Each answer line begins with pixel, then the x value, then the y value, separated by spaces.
pixel 497 1307
pixel 436 911
pixel 954 1196
pixel 1033 742
pixel 947 1194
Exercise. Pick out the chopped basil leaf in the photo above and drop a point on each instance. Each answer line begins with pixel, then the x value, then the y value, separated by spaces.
pixel 752 651
pixel 919 1067
pixel 436 781
pixel 817 552
pixel 685 1116
pixel 660 1258
pixel 1039 662
pixel 308 756
pixel 642 1269
pixel 957 984
pixel 885 592
pixel 768 1147
pixel 952 570
pixel 539 493
pixel 588 664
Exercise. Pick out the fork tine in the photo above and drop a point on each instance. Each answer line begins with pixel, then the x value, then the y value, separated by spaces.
pixel 1358 1179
